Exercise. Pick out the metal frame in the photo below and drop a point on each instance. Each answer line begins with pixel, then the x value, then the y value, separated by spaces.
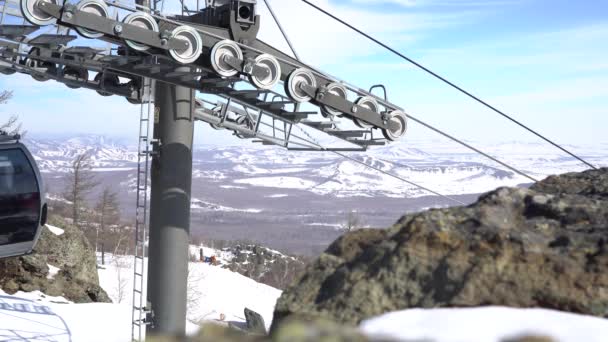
pixel 116 31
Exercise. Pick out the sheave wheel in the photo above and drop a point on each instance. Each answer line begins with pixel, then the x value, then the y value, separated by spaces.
pixel 195 45
pixel 111 80
pixel 96 7
pixel 243 120
pixel 397 125
pixel 34 63
pixel 80 74
pixel 338 90
pixel 271 64
pixel 292 86
pixel 142 20
pixel 369 103
pixel 222 49
pixel 31 13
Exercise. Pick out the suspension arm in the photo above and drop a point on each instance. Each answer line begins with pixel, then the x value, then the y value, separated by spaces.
pixel 323 97
pixel 69 16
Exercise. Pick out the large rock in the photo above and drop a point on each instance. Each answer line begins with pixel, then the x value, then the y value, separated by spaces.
pixel 77 278
pixel 539 247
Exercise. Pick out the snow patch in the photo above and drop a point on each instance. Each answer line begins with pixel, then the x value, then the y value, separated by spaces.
pixel 208 206
pixel 52 271
pixel 55 230
pixel 278 182
pixel 485 324
pixel 277 196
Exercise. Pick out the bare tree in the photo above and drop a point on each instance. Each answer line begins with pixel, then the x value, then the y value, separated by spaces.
pixel 12 125
pixel 353 221
pixel 80 181
pixel 5 95
pixel 194 294
pixel 108 213
pixel 122 266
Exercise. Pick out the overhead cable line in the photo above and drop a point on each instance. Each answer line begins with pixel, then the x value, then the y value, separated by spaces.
pixel 314 142
pixel 472 148
pixel 319 146
pixel 415 119
pixel 447 82
pixel 276 20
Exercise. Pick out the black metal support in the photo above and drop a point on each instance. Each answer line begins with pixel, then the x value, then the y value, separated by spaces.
pixel 171 181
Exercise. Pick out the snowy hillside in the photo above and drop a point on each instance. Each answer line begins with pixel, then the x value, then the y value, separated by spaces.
pixel 36 317
pixel 298 201
pixel 219 296
pixel 215 294
pixel 439 165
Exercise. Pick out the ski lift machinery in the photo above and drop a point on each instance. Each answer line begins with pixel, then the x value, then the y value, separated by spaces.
pixel 23 209
pixel 213 50
pixel 248 87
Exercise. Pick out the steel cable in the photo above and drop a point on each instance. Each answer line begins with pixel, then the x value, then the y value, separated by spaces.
pixel 447 82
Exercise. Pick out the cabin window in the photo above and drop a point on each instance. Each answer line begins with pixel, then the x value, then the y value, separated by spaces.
pixel 19 198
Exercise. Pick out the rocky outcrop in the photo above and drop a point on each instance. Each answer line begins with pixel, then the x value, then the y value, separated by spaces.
pixel 540 247
pixel 70 252
pixel 264 265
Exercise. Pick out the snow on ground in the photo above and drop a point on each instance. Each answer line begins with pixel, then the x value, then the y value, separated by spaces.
pixel 55 230
pixel 277 196
pixel 278 182
pixel 219 295
pixel 487 324
pixel 213 290
pixel 198 204
pixel 36 317
pixel 52 271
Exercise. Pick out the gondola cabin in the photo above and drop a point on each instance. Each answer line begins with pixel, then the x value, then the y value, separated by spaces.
pixel 22 200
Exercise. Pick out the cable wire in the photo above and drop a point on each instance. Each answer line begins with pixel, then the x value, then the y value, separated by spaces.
pixel 314 142
pixel 446 81
pixel 472 148
pixel 422 123
pixel 276 20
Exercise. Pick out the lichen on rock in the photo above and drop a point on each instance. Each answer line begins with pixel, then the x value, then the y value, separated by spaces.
pixel 77 278
pixel 538 247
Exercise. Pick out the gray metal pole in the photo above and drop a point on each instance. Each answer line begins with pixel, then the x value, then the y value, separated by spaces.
pixel 171 180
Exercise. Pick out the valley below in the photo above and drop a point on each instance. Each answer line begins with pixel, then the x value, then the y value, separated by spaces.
pixel 300 202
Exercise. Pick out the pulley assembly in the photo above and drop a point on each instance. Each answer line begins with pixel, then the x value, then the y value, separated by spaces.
pixel 213 50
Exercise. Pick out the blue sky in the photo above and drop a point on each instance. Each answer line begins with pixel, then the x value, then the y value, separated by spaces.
pixel 544 62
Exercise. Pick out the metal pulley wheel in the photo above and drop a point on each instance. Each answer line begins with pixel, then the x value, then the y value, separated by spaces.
pixel 34 63
pixel 96 7
pixel 271 64
pixel 142 20
pixel 195 45
pixel 111 80
pixel 338 90
pixel 134 85
pixel 292 86
pixel 31 12
pixel 243 120
pixel 6 68
pixel 222 49
pixel 368 103
pixel 397 125
pixel 7 71
pixel 80 74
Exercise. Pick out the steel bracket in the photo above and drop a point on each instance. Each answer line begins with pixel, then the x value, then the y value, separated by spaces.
pixel 247 66
pixel 323 97
pixel 69 16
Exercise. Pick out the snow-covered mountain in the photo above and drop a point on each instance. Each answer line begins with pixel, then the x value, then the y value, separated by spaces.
pixel 441 166
pixel 296 201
